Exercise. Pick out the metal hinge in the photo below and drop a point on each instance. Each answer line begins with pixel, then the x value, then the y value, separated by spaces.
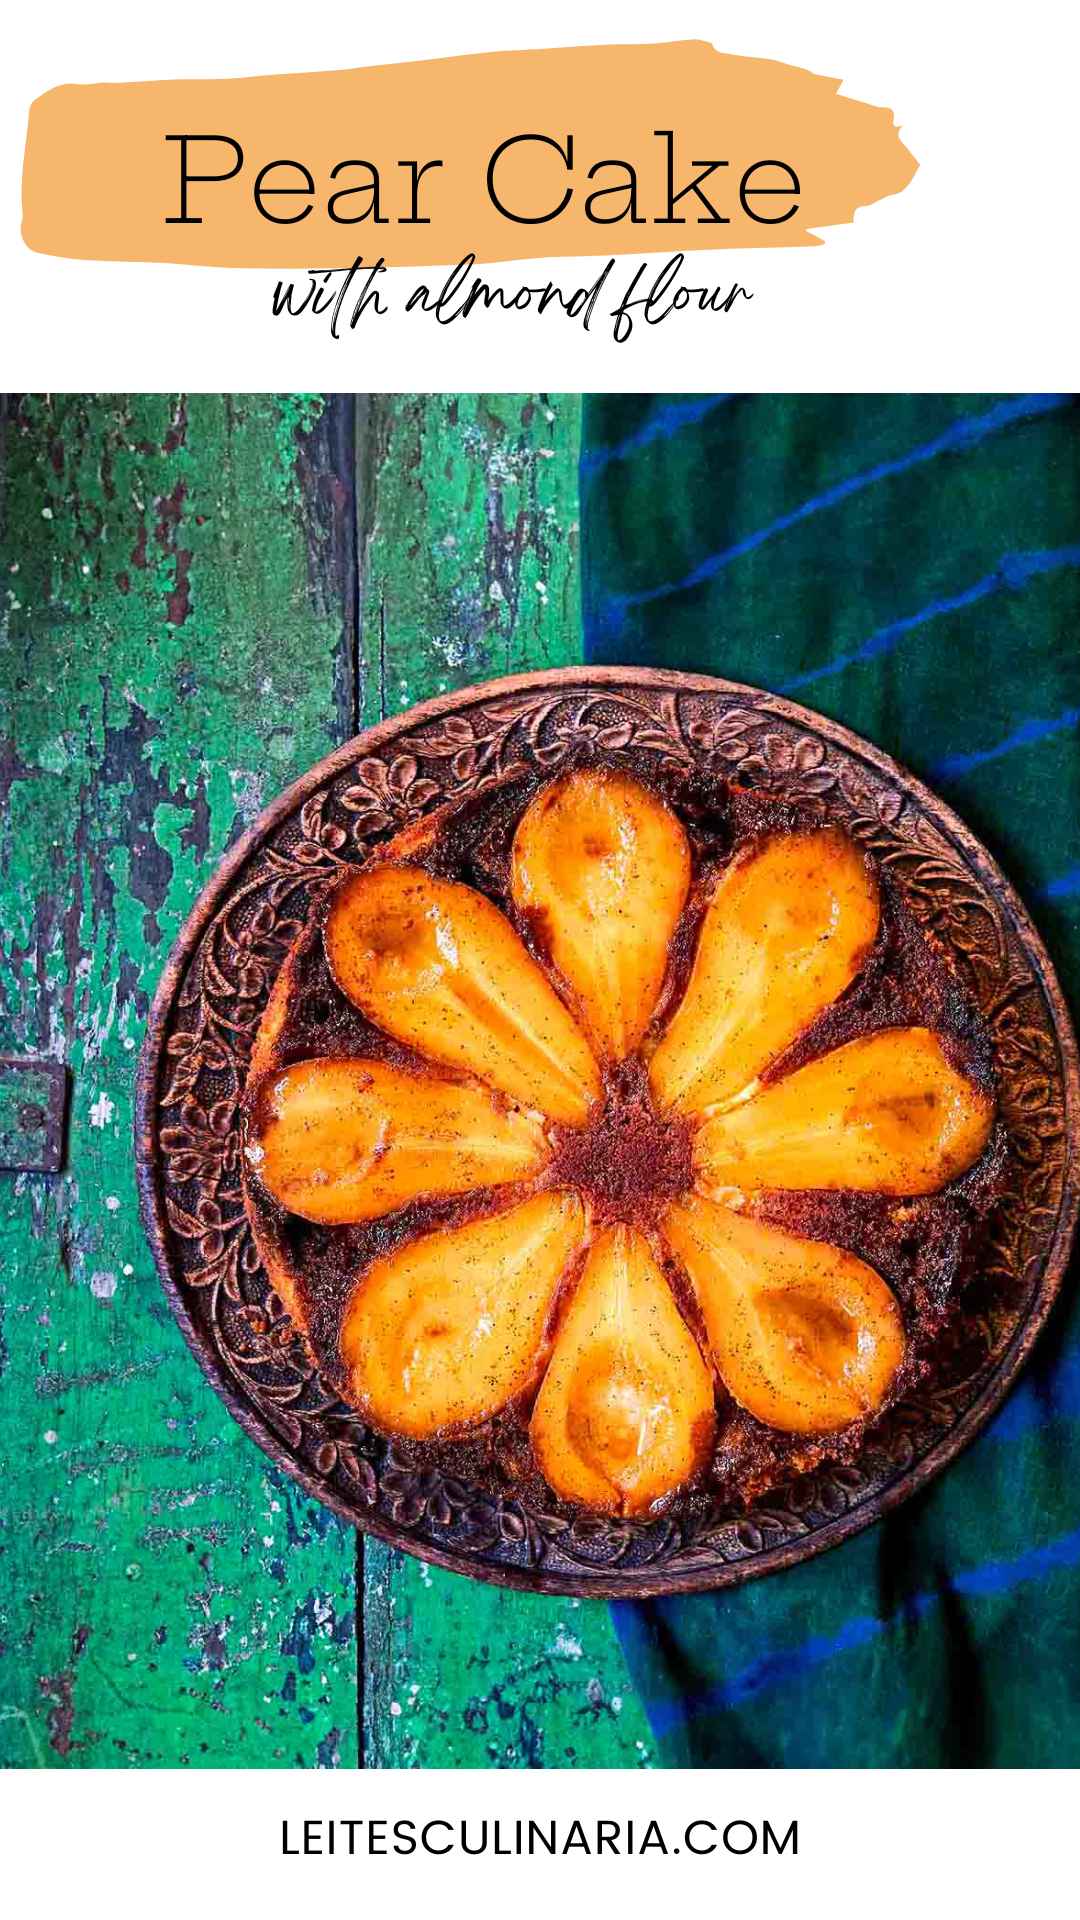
pixel 33 1114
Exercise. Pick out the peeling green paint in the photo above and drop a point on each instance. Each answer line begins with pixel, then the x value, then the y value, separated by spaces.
pixel 177 641
pixel 153 1559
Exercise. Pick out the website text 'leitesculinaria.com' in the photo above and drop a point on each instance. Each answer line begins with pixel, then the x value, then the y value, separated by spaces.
pixel 516 1839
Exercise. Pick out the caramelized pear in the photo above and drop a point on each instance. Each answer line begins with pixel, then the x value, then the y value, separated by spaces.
pixel 346 1140
pixel 450 1327
pixel 806 1337
pixel 602 868
pixel 435 964
pixel 626 1413
pixel 886 1114
pixel 788 927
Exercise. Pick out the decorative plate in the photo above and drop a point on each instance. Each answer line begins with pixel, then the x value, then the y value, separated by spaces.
pixel 208 1008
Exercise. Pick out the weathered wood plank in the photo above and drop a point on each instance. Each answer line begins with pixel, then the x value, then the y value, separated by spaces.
pixel 468 541
pixel 178 640
pixel 468 547
pixel 176 643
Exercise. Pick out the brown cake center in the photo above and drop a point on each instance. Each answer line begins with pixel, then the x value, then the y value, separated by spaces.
pixel 629 1160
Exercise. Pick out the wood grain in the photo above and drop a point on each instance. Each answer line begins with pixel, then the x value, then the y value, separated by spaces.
pixel 174 620
pixel 184 629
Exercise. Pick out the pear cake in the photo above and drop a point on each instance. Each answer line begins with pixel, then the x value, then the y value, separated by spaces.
pixel 620 1136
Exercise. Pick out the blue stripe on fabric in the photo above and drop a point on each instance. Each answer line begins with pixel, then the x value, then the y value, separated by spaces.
pixel 1063 886
pixel 1029 734
pixel 960 436
pixel 1035 1401
pixel 660 425
pixel 774 1669
pixel 1014 572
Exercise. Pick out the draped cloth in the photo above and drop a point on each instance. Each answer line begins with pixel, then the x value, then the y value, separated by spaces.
pixel 909 565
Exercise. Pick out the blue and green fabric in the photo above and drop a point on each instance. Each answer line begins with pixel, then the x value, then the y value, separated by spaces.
pixel 910 566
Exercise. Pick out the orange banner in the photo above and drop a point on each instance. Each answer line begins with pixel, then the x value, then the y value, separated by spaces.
pixel 586 150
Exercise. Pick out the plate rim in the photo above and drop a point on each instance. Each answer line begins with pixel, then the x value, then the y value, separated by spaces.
pixel 644 1583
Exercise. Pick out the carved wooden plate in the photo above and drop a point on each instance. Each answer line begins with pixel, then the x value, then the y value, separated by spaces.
pixel 212 994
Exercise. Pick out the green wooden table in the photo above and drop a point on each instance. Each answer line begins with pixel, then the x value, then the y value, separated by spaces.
pixel 200 598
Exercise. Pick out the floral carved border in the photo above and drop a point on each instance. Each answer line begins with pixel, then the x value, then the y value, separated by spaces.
pixel 212 999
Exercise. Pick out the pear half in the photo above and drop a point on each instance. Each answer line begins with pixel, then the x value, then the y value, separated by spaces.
pixel 806 1337
pixel 447 1329
pixel 341 1141
pixel 434 964
pixel 602 868
pixel 887 1113
pixel 626 1412
pixel 788 927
